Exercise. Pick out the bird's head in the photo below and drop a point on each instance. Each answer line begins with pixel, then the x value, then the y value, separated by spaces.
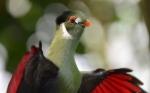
pixel 72 24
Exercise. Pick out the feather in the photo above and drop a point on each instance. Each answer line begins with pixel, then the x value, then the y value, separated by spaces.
pixel 18 75
pixel 111 81
pixel 35 74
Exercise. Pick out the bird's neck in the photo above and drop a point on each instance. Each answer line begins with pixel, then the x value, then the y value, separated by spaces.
pixel 62 48
pixel 61 53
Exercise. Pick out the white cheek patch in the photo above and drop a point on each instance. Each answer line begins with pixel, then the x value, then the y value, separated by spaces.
pixel 78 20
pixel 66 35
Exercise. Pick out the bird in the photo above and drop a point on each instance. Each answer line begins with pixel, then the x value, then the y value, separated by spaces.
pixel 57 72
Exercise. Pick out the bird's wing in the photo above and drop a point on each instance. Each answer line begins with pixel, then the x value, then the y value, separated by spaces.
pixel 33 71
pixel 111 81
pixel 18 75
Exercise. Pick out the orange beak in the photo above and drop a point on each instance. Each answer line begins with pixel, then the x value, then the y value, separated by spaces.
pixel 87 23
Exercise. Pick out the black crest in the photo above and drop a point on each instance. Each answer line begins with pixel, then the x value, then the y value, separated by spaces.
pixel 63 17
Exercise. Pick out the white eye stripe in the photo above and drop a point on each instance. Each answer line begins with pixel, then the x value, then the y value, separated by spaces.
pixel 78 20
pixel 66 35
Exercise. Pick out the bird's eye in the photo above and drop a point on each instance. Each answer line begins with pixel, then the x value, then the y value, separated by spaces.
pixel 72 19
pixel 78 20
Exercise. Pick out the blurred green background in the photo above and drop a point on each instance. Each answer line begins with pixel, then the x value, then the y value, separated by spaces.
pixel 119 36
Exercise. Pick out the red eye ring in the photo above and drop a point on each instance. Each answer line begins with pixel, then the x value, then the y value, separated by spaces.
pixel 72 19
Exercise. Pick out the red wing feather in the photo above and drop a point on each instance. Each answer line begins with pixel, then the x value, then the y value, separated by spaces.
pixel 125 84
pixel 118 81
pixel 104 89
pixel 18 75
pixel 111 88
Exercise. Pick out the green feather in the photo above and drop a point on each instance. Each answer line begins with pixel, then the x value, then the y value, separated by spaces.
pixel 61 52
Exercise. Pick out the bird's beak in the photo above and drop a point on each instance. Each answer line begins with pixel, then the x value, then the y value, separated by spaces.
pixel 87 23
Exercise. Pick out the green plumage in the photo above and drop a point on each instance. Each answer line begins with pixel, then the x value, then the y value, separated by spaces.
pixel 58 72
pixel 61 52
